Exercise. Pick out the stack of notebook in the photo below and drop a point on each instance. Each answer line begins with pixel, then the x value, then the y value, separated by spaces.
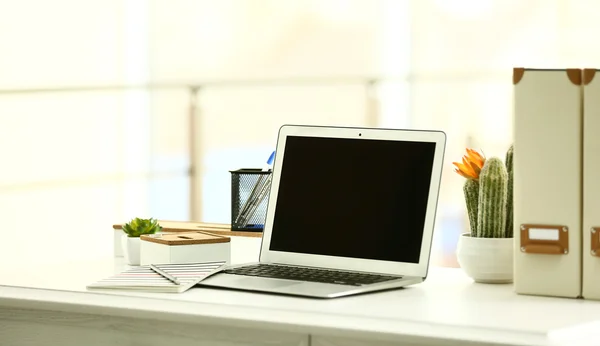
pixel 175 278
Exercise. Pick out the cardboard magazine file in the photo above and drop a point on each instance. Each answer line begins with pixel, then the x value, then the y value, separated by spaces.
pixel 179 248
pixel 591 185
pixel 547 181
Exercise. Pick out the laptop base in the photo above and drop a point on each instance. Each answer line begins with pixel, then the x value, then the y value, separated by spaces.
pixel 299 288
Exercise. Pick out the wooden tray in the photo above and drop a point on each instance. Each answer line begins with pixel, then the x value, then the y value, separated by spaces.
pixel 191 226
pixel 185 238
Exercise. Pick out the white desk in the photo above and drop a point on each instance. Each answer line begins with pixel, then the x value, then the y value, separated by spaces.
pixel 49 305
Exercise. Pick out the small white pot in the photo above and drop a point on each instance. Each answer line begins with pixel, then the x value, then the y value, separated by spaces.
pixel 117 242
pixel 131 249
pixel 486 260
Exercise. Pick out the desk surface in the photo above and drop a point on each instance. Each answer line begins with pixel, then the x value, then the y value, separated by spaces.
pixel 448 305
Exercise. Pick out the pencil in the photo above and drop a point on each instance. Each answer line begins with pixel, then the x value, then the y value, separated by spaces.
pixel 164 274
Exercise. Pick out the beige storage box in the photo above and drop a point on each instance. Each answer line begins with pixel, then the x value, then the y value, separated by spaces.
pixel 591 185
pixel 547 181
pixel 192 247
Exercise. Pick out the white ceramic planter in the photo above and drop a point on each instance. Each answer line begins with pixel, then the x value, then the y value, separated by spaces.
pixel 486 260
pixel 131 249
pixel 117 242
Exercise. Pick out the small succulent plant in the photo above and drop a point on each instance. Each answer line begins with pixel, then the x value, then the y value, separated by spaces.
pixel 488 194
pixel 136 227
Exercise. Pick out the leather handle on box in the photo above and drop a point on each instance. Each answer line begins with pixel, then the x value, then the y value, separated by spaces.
pixel 544 239
pixel 544 249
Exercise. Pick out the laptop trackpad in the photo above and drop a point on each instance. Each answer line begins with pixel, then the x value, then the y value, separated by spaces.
pixel 263 283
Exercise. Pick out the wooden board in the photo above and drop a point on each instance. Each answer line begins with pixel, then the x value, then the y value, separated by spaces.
pixel 185 238
pixel 191 226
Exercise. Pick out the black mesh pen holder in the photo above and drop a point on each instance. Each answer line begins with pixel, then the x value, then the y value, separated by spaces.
pixel 249 198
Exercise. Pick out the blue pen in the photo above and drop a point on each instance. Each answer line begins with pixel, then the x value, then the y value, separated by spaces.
pixel 271 158
pixel 269 161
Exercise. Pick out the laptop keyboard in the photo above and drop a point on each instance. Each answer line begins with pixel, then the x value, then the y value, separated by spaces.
pixel 310 274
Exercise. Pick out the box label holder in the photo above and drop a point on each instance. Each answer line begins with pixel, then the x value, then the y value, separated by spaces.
pixel 545 239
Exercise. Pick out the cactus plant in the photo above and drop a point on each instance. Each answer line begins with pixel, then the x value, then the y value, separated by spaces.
pixel 488 194
pixel 509 197
pixel 136 227
pixel 471 190
pixel 470 167
pixel 493 185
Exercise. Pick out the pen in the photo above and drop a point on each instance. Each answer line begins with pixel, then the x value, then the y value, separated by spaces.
pixel 270 160
pixel 259 199
pixel 248 201
pixel 260 184
pixel 164 274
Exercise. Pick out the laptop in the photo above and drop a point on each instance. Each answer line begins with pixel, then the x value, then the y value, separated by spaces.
pixel 350 210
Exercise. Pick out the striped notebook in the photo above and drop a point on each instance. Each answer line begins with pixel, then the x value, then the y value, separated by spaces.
pixel 144 278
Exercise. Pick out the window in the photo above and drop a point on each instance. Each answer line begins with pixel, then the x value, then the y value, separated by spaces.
pixel 96 117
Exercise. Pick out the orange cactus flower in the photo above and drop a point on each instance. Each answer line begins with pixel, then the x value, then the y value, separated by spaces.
pixel 471 164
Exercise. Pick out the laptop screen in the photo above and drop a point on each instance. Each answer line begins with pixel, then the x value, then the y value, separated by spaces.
pixel 356 198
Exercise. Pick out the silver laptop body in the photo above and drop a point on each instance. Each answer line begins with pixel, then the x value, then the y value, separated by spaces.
pixel 351 210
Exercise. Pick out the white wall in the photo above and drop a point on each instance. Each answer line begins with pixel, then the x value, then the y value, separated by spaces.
pixel 79 161
pixel 74 163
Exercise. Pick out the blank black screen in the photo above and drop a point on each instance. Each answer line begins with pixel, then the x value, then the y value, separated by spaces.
pixel 354 198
